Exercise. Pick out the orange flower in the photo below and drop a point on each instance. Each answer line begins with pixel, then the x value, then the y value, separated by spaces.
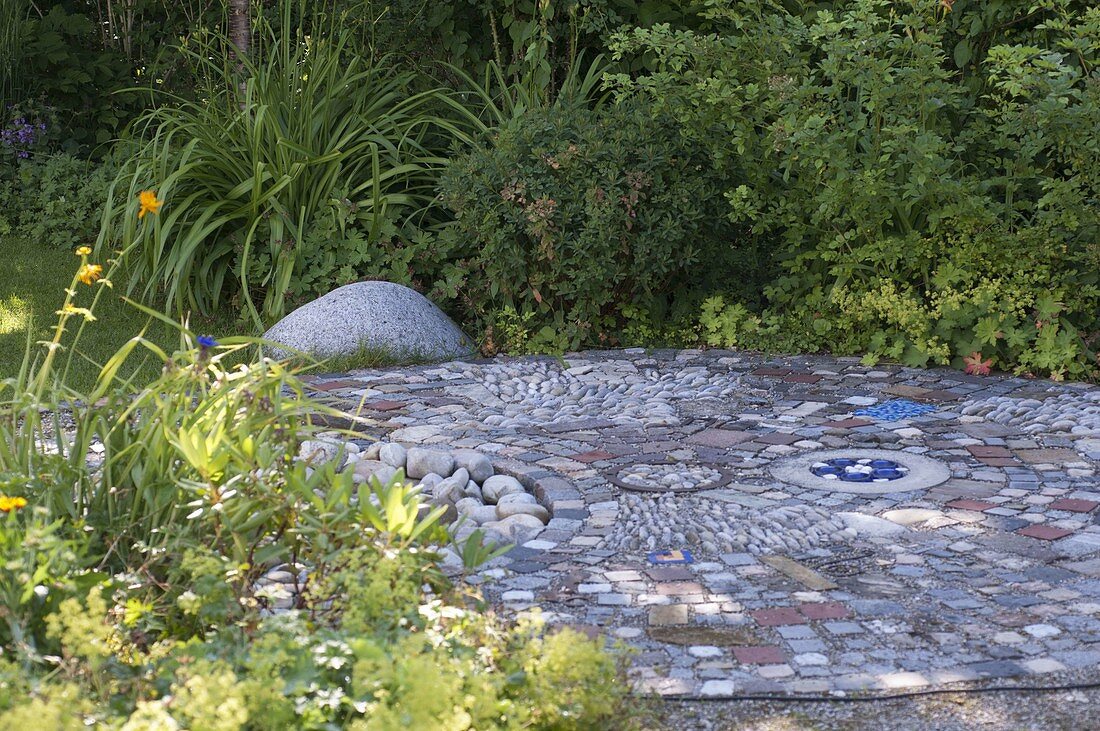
pixel 149 203
pixel 90 273
pixel 8 504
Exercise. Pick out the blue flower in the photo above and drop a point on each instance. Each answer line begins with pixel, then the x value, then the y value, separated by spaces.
pixel 205 341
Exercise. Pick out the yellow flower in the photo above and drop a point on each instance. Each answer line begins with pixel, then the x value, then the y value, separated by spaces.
pixel 71 309
pixel 149 203
pixel 84 251
pixel 8 504
pixel 90 273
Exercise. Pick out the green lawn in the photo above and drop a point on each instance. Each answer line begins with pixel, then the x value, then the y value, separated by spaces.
pixel 32 284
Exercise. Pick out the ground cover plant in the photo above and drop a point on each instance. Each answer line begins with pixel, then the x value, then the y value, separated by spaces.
pixel 136 525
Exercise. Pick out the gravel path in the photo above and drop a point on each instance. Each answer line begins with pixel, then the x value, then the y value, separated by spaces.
pixel 1073 710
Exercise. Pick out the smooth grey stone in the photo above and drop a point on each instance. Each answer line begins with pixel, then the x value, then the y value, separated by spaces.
pixel 368 468
pixel 429 481
pixel 507 510
pixel 517 497
pixel 483 514
pixel 476 463
pixel 499 485
pixel 374 315
pixel 450 512
pixel 453 488
pixel 393 454
pixel 420 462
pixel 317 452
pixel 467 504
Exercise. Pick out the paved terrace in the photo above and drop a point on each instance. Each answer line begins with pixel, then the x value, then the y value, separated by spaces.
pixel 693 519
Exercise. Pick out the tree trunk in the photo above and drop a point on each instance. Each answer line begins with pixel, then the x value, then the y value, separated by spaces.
pixel 240 27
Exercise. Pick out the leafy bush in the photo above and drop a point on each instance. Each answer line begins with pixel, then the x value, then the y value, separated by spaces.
pixel 65 65
pixel 133 544
pixel 576 215
pixel 918 216
pixel 55 201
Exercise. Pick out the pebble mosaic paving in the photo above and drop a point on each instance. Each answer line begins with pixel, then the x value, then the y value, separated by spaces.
pixel 750 584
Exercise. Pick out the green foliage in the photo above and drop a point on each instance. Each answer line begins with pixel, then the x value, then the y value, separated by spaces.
pixel 917 215
pixel 55 201
pixel 132 593
pixel 537 39
pixel 577 214
pixel 318 143
pixel 13 22
pixel 66 68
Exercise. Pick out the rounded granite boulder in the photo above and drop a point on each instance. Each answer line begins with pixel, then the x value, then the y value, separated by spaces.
pixel 370 316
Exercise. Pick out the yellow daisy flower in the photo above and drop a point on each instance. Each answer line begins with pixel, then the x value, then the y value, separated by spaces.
pixel 84 251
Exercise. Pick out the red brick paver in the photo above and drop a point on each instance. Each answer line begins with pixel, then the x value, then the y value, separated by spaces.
pixel 847 423
pixel 383 405
pixel 1044 532
pixel 1074 505
pixel 825 610
pixel 778 616
pixel 763 655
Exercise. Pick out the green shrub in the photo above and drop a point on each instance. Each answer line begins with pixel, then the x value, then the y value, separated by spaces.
pixel 576 215
pixel 917 215
pixel 55 201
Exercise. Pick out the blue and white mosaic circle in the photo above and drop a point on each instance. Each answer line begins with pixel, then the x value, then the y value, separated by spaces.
pixel 849 469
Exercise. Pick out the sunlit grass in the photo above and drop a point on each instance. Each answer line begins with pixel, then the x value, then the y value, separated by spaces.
pixel 32 283
pixel 15 313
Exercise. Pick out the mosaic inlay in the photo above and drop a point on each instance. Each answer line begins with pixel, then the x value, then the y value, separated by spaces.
pixel 851 469
pixel 895 410
pixel 677 477
pixel 861 471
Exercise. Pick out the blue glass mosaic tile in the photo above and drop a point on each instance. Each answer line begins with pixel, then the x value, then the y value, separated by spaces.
pixel 895 410
pixel 670 557
pixel 859 470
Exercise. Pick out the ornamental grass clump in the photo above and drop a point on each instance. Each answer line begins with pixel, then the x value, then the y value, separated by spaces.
pixel 278 163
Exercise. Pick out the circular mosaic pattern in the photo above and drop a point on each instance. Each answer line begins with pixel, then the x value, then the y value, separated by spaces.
pixel 851 469
pixel 899 471
pixel 678 477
